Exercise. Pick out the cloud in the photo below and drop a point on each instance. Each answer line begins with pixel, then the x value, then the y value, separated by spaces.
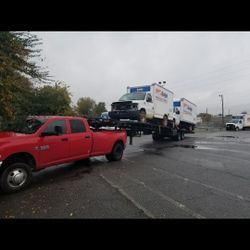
pixel 196 65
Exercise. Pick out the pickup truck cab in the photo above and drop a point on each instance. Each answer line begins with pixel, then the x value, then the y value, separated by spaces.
pixel 51 140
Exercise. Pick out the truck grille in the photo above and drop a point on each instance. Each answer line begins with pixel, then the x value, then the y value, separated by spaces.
pixel 123 106
pixel 230 127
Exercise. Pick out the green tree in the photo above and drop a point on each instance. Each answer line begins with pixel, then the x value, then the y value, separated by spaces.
pixel 17 71
pixel 205 117
pixel 86 106
pixel 99 108
pixel 52 100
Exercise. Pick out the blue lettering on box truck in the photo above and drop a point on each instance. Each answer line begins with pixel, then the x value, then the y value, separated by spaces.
pixel 140 89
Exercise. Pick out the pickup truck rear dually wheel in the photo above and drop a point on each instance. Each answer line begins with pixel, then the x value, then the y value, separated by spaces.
pixel 15 177
pixel 117 152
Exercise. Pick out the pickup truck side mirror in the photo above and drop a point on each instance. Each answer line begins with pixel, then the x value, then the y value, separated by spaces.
pixel 149 99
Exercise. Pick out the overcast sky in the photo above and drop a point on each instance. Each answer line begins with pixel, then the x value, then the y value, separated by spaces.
pixel 196 65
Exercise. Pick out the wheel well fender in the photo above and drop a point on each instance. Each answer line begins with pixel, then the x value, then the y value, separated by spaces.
pixel 20 157
pixel 119 141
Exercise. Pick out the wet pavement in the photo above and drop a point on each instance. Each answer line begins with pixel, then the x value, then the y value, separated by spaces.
pixel 207 175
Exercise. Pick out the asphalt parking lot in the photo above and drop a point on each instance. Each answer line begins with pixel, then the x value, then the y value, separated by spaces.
pixel 207 175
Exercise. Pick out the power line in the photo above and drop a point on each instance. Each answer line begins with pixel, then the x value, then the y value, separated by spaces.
pixel 199 76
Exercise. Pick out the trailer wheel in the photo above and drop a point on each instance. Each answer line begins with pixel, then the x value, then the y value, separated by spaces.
pixel 182 135
pixel 178 136
pixel 15 177
pixel 117 152
pixel 156 136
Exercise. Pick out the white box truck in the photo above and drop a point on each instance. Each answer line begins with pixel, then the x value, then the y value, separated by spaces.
pixel 239 122
pixel 144 103
pixel 185 114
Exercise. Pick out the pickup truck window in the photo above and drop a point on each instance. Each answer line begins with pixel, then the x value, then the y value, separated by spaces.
pixel 51 127
pixel 77 126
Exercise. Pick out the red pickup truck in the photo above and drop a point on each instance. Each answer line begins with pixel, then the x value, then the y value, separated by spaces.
pixel 51 140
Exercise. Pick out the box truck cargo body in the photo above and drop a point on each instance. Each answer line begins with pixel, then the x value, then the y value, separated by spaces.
pixel 186 113
pixel 152 101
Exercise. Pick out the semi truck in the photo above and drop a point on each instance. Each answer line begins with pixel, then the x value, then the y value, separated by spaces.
pixel 52 140
pixel 145 103
pixel 185 114
pixel 239 122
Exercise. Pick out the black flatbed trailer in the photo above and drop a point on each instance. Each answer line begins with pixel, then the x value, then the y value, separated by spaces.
pixel 136 128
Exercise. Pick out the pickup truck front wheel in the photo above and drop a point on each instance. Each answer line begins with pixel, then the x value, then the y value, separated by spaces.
pixel 15 177
pixel 117 153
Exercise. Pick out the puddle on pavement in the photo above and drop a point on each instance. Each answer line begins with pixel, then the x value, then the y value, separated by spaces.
pixel 157 150
pixel 227 136
pixel 185 146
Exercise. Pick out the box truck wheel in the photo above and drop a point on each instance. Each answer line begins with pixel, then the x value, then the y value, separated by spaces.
pixel 142 115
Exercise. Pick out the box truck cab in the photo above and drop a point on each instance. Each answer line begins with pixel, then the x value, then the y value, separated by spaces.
pixel 144 103
pixel 239 122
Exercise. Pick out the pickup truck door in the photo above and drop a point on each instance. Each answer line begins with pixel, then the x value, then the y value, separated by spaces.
pixel 53 148
pixel 80 139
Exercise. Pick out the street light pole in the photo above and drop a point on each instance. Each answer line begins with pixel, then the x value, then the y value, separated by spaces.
pixel 222 106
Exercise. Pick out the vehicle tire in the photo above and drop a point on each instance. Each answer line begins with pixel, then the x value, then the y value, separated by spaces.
pixel 156 136
pixel 142 115
pixel 165 121
pixel 236 129
pixel 182 135
pixel 117 152
pixel 15 177
pixel 178 136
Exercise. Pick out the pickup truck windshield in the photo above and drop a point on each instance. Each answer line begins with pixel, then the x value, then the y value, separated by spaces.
pixel 133 96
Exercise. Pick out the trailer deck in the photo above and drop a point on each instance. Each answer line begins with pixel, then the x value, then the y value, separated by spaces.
pixel 136 128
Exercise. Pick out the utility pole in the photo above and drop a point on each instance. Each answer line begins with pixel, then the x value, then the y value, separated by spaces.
pixel 222 107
